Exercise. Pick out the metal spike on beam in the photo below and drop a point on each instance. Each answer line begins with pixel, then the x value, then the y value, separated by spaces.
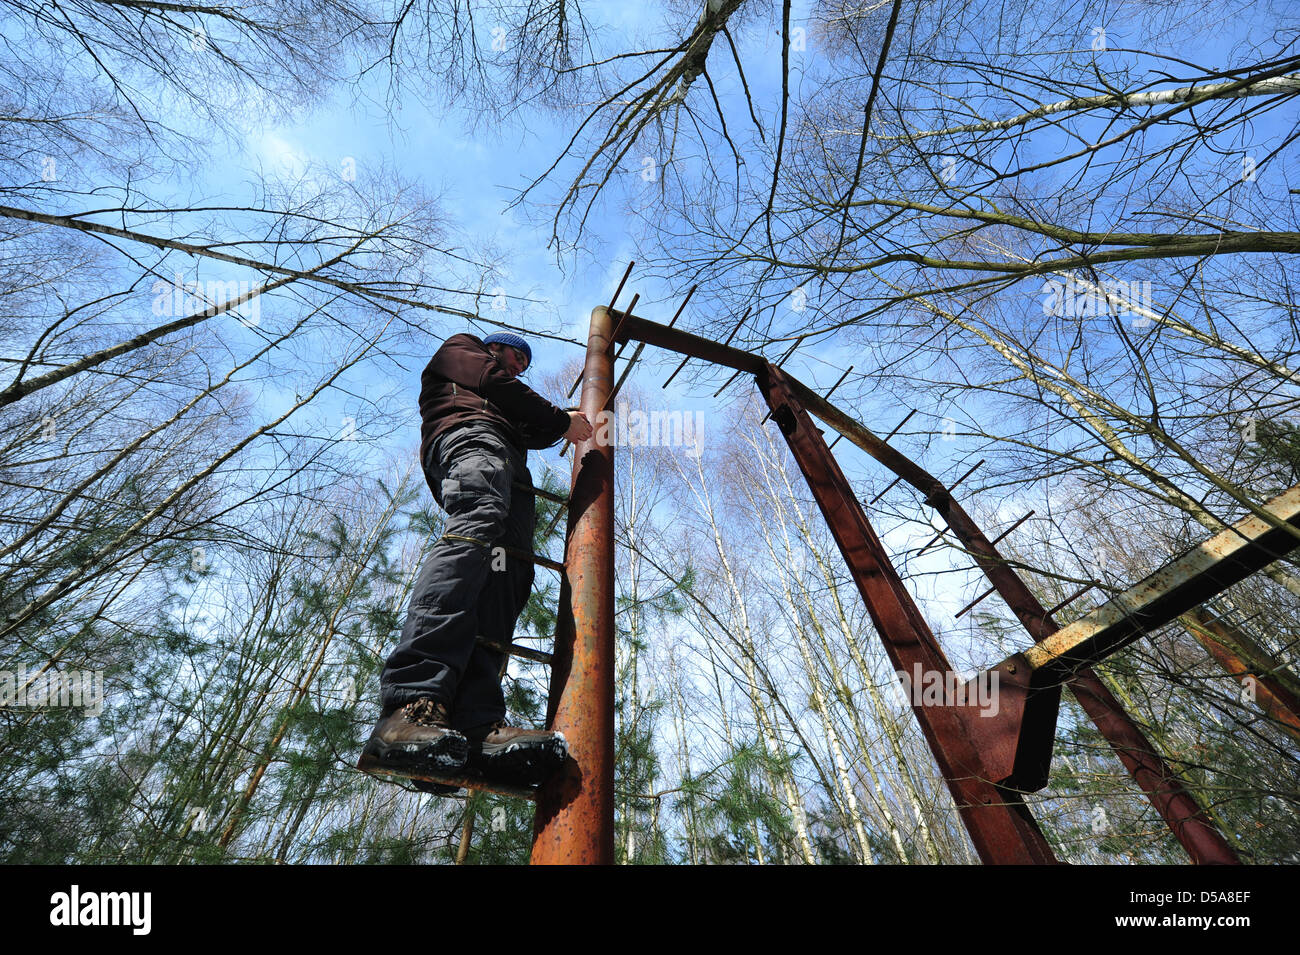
pixel 838 382
pixel 631 307
pixel 891 484
pixel 532 558
pixel 613 299
pixel 1012 527
pixel 948 491
pixel 900 424
pixel 971 605
pixel 640 347
pixel 541 492
pixel 887 489
pixel 1070 599
pixel 724 345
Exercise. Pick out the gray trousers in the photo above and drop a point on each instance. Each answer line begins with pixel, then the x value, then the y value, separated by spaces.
pixel 466 588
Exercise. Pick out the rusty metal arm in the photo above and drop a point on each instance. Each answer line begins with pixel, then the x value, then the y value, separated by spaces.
pixel 1028 761
pixel 1000 824
pixel 1275 693
pixel 636 328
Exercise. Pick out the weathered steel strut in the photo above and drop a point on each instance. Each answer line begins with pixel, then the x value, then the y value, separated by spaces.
pixel 515 649
pixel 999 822
pixel 575 807
pixel 613 299
pixel 1208 568
pixel 1225 643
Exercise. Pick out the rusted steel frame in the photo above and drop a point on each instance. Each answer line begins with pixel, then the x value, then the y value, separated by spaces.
pixel 574 823
pixel 1000 825
pixel 1166 791
pixel 1163 787
pixel 1221 641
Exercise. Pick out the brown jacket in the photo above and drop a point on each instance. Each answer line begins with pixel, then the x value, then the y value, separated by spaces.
pixel 464 383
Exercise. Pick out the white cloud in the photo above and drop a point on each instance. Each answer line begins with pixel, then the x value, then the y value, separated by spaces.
pixel 277 155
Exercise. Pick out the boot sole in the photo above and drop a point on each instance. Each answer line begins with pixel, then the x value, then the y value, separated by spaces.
pixel 436 789
pixel 447 752
pixel 425 779
pixel 521 763
pixel 369 763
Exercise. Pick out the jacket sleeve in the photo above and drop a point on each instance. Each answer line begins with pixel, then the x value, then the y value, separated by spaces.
pixel 463 360
pixel 529 411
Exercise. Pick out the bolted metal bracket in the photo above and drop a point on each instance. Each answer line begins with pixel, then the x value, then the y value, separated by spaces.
pixel 1017 733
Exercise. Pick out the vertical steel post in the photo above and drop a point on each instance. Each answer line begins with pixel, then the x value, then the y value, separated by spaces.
pixel 574 823
pixel 999 822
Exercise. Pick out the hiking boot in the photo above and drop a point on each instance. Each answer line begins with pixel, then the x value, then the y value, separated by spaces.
pixel 415 736
pixel 516 756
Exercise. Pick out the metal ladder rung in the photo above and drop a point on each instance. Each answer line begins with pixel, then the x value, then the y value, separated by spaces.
pixel 514 649
pixel 534 558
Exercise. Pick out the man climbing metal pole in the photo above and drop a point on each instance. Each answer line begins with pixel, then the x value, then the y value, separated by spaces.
pixel 443 709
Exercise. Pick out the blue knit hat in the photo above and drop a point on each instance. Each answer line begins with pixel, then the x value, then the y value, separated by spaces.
pixel 512 340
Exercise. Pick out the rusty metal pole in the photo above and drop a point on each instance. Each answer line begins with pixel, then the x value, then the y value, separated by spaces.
pixel 574 824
